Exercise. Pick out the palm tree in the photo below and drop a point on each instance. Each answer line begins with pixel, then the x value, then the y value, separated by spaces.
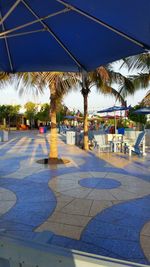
pixel 102 78
pixel 59 84
pixel 146 100
pixel 140 64
pixel 85 84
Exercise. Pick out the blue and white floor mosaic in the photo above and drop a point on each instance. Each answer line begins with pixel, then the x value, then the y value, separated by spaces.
pixel 89 204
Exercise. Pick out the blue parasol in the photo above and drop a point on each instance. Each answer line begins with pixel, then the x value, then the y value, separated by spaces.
pixel 144 111
pixel 114 109
pixel 70 117
pixel 70 35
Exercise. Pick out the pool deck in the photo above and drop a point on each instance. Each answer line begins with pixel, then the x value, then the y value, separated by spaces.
pixel 96 203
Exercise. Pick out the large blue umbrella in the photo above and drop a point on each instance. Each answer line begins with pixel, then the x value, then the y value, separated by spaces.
pixel 70 35
pixel 70 117
pixel 144 111
pixel 114 109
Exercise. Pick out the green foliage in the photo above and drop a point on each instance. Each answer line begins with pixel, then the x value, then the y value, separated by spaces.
pixel 9 111
pixel 43 114
pixel 61 112
pixel 31 110
pixel 136 117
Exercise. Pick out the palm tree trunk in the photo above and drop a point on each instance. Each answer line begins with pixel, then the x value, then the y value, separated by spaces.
pixel 85 140
pixel 53 136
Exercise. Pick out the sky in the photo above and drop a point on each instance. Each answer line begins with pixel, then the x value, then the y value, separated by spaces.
pixel 74 100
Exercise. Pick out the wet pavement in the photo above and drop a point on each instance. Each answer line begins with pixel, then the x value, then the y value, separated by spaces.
pixel 97 203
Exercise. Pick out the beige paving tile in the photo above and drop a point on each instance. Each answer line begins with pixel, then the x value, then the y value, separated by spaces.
pixel 77 192
pixel 64 186
pixel 113 159
pixel 100 195
pixel 124 195
pixel 57 194
pixel 99 174
pixel 146 230
pixel 7 200
pixel 82 175
pixel 64 198
pixel 5 206
pixel 140 191
pixel 98 206
pixel 62 202
pixel 61 229
pixel 145 244
pixel 78 206
pixel 70 219
pixel 6 194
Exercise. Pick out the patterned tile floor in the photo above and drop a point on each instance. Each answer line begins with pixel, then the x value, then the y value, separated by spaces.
pixel 96 203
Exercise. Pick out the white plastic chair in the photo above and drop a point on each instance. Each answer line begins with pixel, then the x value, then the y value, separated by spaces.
pixel 136 147
pixel 100 143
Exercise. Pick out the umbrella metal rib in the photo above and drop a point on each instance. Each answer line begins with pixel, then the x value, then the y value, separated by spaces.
pixel 7 47
pixel 104 24
pixel 40 20
pixel 22 33
pixel 9 12
pixel 53 34
pixel 33 22
pixel 69 30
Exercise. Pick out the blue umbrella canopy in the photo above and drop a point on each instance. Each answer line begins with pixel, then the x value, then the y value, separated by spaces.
pixel 143 111
pixel 70 35
pixel 113 109
pixel 70 117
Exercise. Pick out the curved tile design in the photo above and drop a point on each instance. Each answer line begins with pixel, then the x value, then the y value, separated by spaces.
pixel 130 186
pixel 145 240
pixel 118 228
pixel 5 166
pixel 30 195
pixel 109 217
pixel 99 183
pixel 7 200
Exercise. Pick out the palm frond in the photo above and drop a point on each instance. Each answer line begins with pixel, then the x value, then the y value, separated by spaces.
pixel 108 90
pixel 5 78
pixel 141 80
pixel 146 100
pixel 139 62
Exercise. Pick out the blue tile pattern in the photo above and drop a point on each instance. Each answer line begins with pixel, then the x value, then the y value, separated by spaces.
pixel 5 166
pixel 99 183
pixel 115 232
pixel 117 229
pixel 34 202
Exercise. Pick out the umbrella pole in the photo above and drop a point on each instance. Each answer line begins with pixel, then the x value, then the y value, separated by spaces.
pixel 115 122
pixel 85 91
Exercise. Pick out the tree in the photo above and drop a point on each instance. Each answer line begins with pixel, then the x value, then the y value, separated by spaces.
pixel 43 114
pixel 3 114
pixel 146 100
pixel 59 84
pixel 31 111
pixel 139 118
pixel 140 65
pixel 103 78
pixel 9 113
